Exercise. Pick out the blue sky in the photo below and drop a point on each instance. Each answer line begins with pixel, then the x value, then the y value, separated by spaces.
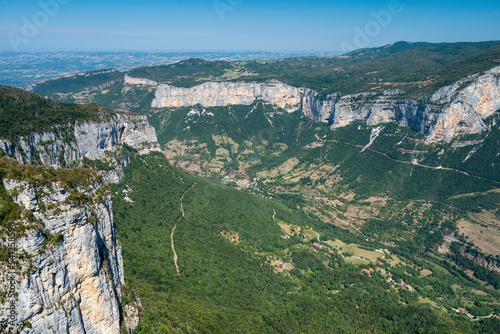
pixel 291 25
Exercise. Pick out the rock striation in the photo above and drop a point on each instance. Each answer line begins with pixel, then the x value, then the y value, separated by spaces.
pixel 485 261
pixel 217 94
pixel 88 139
pixel 451 111
pixel 71 284
pixel 466 104
pixel 71 277
pixel 138 81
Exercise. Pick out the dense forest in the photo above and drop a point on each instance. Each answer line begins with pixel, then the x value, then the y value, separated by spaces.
pixel 224 285
pixel 23 113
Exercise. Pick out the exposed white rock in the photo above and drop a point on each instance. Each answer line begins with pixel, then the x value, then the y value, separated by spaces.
pixel 374 135
pixel 91 140
pixel 131 318
pixel 319 110
pixel 218 94
pixel 73 286
pixel 457 109
pixel 468 103
pixel 26 193
pixel 139 81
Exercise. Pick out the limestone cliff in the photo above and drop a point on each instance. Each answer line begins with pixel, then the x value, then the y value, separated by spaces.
pixel 466 104
pixel 69 272
pixel 485 261
pixel 458 109
pixel 70 276
pixel 138 81
pixel 92 140
pixel 216 94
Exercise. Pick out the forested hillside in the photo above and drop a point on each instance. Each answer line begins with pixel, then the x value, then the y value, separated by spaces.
pixel 22 113
pixel 241 268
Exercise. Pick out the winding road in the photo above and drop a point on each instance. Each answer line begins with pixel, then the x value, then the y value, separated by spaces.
pixel 316 234
pixel 414 163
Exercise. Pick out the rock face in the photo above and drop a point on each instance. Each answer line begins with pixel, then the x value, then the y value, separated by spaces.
pixel 482 260
pixel 373 109
pixel 89 139
pixel 138 81
pixel 71 284
pixel 215 94
pixel 466 104
pixel 451 111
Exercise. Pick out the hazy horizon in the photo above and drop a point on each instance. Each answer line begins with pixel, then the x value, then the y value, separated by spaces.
pixel 226 50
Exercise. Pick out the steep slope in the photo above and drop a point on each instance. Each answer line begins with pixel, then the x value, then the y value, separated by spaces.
pixel 64 261
pixel 39 131
pixel 377 197
pixel 66 145
pixel 461 110
pixel 258 148
pixel 61 261
pixel 419 103
pixel 81 83
pixel 245 132
pixel 417 68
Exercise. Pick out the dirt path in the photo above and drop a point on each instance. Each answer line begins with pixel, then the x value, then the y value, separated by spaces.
pixel 173 248
pixel 182 197
pixel 173 231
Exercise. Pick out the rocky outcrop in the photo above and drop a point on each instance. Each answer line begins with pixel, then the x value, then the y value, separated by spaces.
pixel 480 259
pixel 375 109
pixel 131 315
pixel 70 275
pixel 218 94
pixel 69 270
pixel 466 104
pixel 336 109
pixel 451 111
pixel 67 144
pixel 139 81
